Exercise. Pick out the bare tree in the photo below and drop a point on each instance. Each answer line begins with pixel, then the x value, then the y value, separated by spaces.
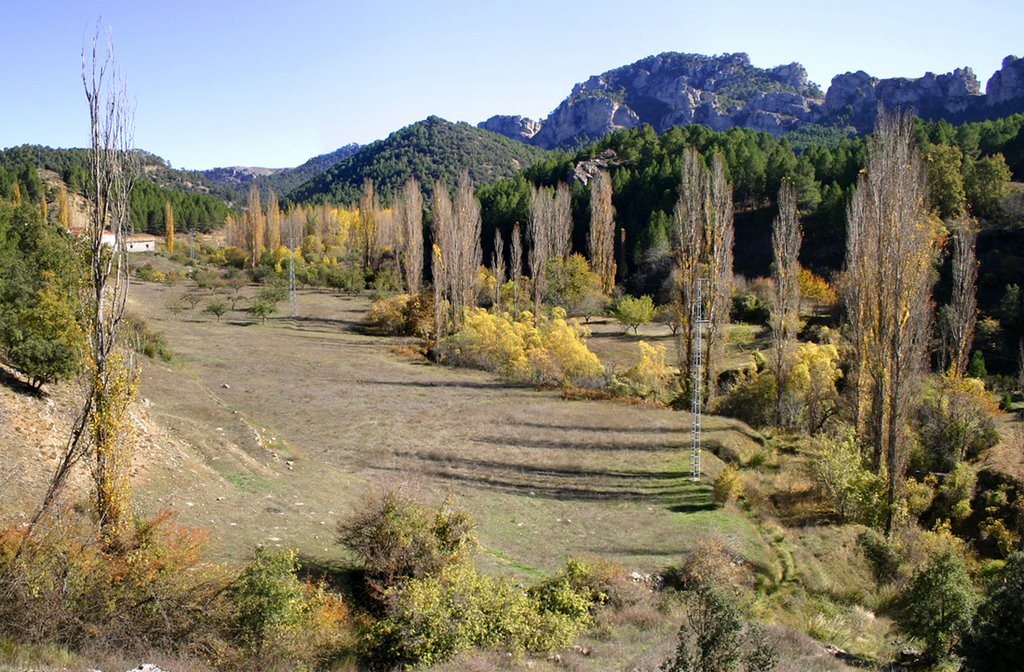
pixel 785 314
pixel 442 231
pixel 601 238
pixel 561 222
pixel 516 264
pixel 962 311
pixel 702 244
pixel 253 227
pixel 464 272
pixel 498 267
pixel 890 249
pixel 110 376
pixel 719 254
pixel 410 212
pixel 542 245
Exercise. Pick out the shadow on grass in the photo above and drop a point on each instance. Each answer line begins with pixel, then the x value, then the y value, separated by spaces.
pixel 671 490
pixel 569 444
pixel 595 428
pixel 468 385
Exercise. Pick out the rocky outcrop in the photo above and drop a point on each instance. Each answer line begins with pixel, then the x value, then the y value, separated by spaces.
pixel 1007 84
pixel 511 126
pixel 674 89
pixel 853 98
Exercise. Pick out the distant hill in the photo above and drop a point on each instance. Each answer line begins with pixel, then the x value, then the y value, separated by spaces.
pixel 281 180
pixel 726 91
pixel 432 149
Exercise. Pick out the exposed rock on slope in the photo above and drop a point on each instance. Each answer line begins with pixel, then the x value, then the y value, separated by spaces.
pixel 724 91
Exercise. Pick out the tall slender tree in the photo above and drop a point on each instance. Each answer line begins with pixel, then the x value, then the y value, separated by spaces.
pixel 101 426
pixel 253 227
pixel 442 227
pixel 169 227
pixel 601 238
pixel 702 245
pixel 516 264
pixel 890 248
pixel 561 222
pixel 785 312
pixel 542 242
pixel 410 213
pixel 498 267
pixel 369 213
pixel 273 221
pixel 962 312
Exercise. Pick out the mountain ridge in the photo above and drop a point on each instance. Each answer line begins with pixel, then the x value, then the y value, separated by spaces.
pixel 727 90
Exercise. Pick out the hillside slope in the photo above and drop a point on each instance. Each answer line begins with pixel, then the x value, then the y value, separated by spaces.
pixel 429 150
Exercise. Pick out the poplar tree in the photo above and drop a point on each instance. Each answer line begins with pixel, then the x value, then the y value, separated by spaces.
pixel 273 235
pixel 369 212
pixel 785 312
pixel 702 246
pixel 601 238
pixel 253 227
pixel 887 290
pixel 410 213
pixel 961 314
pixel 169 227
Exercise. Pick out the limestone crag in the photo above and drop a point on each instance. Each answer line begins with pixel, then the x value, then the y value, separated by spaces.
pixel 675 89
pixel 1007 84
pixel 512 126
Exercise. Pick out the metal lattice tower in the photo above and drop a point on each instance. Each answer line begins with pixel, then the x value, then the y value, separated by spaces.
pixel 291 274
pixel 696 401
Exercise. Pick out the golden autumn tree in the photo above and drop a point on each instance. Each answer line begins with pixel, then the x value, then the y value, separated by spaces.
pixel 169 227
pixel 601 238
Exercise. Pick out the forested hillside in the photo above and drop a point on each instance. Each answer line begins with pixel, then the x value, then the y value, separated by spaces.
pixel 429 150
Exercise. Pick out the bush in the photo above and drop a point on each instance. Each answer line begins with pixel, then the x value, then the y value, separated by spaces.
pixel 143 339
pixel 748 305
pixel 750 399
pixel 634 312
pixel 710 563
pixel 66 586
pixel 955 421
pixel 431 619
pixel 396 537
pixel 957 490
pixel 938 605
pixel 996 636
pixel 403 315
pixel 649 378
pixel 551 351
pixel 571 284
pixel 716 637
pixel 727 487
pixel 854 493
pixel 278 619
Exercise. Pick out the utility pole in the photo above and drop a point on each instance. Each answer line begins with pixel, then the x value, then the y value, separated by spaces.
pixel 696 400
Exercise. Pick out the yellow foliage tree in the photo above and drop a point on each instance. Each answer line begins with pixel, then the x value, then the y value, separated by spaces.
pixel 814 375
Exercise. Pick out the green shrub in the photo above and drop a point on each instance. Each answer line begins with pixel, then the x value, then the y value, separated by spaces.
pixel 717 638
pixel 938 604
pixel 996 636
pixel 882 556
pixel 571 284
pixel 649 378
pixel 429 620
pixel 634 312
pixel 854 492
pixel 750 399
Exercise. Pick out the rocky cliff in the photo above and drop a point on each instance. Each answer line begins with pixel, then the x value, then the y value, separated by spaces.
pixel 724 91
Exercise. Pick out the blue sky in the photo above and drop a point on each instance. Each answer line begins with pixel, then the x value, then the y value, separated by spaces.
pixel 266 83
